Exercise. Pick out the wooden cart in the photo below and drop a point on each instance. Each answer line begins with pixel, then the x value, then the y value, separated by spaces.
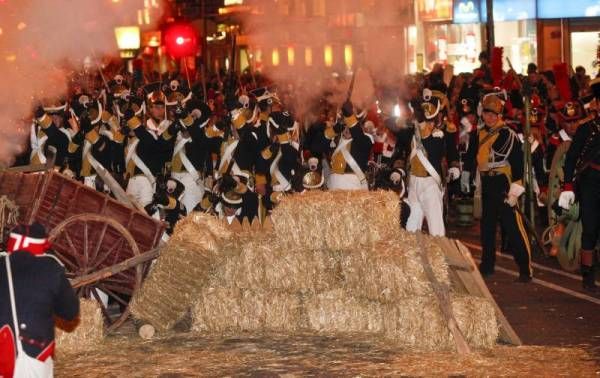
pixel 105 245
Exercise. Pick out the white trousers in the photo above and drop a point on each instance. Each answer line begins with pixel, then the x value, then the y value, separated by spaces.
pixel 426 201
pixel 193 191
pixel 140 189
pixel 346 181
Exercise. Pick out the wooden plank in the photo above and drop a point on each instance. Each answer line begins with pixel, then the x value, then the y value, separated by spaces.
pixel 110 271
pixel 443 297
pixel 476 286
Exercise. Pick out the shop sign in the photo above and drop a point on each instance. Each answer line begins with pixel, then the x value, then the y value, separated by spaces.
pixel 560 9
pixel 467 11
pixel 434 10
pixel 511 10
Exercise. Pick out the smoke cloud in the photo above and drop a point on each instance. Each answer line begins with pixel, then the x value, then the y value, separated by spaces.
pixel 371 28
pixel 39 39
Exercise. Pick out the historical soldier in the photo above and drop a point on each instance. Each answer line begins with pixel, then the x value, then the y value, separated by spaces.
pixel 429 144
pixel 38 286
pixel 496 153
pixel 582 182
pixel 238 202
pixel 47 129
pixel 146 150
pixel 350 158
pixel 188 160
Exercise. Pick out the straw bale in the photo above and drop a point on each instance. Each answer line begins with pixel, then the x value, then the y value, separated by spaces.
pixel 411 322
pixel 265 265
pixel 391 269
pixel 182 270
pixel 337 312
pixel 417 322
pixel 87 335
pixel 238 310
pixel 336 220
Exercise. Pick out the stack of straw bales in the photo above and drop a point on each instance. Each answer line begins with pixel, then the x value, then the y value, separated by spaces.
pixel 334 263
pixel 182 271
pixel 87 334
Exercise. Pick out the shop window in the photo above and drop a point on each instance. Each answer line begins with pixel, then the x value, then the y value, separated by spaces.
pixel 583 51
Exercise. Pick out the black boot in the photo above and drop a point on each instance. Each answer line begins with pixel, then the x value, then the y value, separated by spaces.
pixel 588 273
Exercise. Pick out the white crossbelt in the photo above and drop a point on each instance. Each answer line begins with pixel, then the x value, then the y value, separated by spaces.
pixel 133 156
pixel 180 149
pixel 227 157
pixel 343 149
pixel 37 145
pixel 417 150
pixel 284 184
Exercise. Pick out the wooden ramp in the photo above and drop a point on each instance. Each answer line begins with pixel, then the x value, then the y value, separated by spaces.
pixel 466 279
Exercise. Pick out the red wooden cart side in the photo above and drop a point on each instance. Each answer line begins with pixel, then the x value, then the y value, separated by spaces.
pixel 90 232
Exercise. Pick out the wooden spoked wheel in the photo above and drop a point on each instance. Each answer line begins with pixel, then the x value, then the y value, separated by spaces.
pixel 555 179
pixel 86 243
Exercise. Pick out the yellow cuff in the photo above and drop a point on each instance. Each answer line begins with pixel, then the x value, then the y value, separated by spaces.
pixel 134 123
pixel 72 147
pixel 266 153
pixel 118 137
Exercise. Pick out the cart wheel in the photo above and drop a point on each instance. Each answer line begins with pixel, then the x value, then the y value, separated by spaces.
pixel 555 179
pixel 86 243
pixel 570 245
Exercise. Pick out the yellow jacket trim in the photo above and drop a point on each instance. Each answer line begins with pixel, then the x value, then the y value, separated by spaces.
pixel 260 179
pixel 351 121
pixel 45 121
pixel 329 132
pixel 92 136
pixel 187 121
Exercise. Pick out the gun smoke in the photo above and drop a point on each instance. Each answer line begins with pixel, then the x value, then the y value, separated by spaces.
pixel 39 40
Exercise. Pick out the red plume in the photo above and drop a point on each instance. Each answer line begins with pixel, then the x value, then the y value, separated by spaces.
pixel 562 81
pixel 496 65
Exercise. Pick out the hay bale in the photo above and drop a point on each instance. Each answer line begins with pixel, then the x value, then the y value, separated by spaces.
pixel 181 271
pixel 265 266
pixel 87 335
pixel 417 322
pixel 237 310
pixel 337 312
pixel 336 220
pixel 411 322
pixel 391 269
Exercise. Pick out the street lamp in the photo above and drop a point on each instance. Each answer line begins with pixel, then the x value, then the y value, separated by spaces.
pixel 128 40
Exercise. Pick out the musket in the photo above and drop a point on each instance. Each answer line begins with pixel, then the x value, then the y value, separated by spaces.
pixel 517 79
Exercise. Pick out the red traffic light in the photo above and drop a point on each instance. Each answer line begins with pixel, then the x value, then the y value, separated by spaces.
pixel 181 40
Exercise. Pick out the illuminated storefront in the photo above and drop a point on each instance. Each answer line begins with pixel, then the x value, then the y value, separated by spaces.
pixel 453 32
pixel 569 33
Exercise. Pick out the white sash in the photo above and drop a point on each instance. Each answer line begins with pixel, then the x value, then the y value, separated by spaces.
pixel 180 149
pixel 37 145
pixel 283 184
pixel 342 148
pixel 87 154
pixel 418 152
pixel 133 156
pixel 227 157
